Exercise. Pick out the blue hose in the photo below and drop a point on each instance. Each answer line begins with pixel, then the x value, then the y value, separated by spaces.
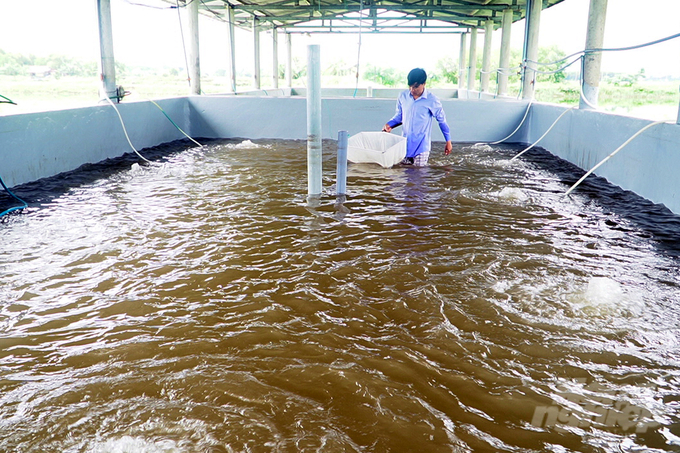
pixel 17 208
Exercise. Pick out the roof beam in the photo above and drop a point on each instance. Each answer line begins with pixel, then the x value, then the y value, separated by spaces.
pixel 291 13
pixel 356 8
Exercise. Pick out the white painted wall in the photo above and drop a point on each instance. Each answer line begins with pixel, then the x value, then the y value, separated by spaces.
pixel 265 117
pixel 648 165
pixel 34 146
pixel 39 145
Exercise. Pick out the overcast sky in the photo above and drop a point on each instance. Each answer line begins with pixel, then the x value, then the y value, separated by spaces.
pixel 152 36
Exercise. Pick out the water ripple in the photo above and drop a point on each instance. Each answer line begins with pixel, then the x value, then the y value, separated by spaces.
pixel 199 304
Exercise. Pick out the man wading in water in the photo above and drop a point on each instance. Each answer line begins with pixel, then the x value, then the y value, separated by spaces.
pixel 416 107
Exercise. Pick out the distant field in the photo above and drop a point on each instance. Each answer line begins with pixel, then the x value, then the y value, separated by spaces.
pixel 34 95
pixel 651 100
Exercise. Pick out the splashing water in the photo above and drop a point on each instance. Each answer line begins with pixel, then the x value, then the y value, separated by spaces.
pixel 199 304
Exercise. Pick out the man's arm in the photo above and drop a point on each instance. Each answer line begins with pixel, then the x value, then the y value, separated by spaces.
pixel 388 128
pixel 395 120
pixel 440 116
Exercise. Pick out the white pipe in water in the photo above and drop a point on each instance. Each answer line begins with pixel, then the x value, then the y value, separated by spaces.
pixel 341 171
pixel 314 150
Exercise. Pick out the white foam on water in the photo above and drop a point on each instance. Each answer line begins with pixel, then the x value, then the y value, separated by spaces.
pixel 604 296
pixel 512 194
pixel 503 163
pixel 603 291
pixel 482 147
pixel 601 304
pixel 129 444
pixel 246 144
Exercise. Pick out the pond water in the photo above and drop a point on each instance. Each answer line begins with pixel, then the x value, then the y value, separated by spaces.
pixel 199 304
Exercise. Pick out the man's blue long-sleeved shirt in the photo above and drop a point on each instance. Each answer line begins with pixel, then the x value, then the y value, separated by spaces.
pixel 416 116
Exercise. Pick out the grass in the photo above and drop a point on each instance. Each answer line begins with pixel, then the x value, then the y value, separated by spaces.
pixel 649 100
pixel 33 95
pixel 645 99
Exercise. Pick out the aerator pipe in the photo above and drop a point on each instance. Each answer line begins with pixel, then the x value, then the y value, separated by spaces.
pixel 16 208
pixel 526 113
pixel 571 189
pixel 7 101
pixel 546 133
pixel 314 151
pixel 341 171
pixel 122 123
pixel 174 124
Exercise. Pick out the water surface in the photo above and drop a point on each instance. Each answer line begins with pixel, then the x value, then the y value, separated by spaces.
pixel 199 304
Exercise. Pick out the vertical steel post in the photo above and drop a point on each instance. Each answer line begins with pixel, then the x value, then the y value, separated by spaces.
pixel 289 61
pixel 232 50
pixel 341 169
pixel 592 61
pixel 194 49
pixel 486 56
pixel 275 58
pixel 472 64
pixel 461 61
pixel 533 18
pixel 504 63
pixel 314 150
pixel 107 62
pixel 256 52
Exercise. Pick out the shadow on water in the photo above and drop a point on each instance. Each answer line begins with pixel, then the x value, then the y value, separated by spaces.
pixel 45 190
pixel 646 219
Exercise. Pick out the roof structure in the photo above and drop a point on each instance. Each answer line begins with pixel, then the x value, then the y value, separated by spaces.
pixel 392 16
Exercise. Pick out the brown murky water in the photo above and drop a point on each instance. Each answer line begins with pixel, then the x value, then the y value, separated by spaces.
pixel 198 305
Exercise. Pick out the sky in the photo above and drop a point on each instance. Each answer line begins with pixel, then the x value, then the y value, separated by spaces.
pixel 147 36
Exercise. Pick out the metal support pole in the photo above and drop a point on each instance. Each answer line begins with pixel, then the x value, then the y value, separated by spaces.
pixel 533 17
pixel 461 61
pixel 592 61
pixel 486 56
pixel 256 51
pixel 472 66
pixel 275 58
pixel 289 60
pixel 194 49
pixel 314 150
pixel 341 170
pixel 504 63
pixel 107 62
pixel 232 50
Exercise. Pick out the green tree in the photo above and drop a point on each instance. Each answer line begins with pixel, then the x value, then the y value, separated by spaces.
pixel 551 72
pixel 388 77
pixel 447 69
pixel 340 68
pixel 547 71
pixel 14 64
pixel 299 69
pixel 625 80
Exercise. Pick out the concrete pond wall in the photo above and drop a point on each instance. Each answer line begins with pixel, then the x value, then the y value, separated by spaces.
pixel 39 145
